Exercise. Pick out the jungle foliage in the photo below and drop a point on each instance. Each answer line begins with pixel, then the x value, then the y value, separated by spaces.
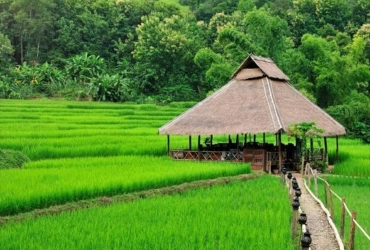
pixel 162 51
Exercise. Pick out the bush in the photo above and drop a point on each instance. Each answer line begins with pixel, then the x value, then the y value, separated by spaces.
pixel 12 159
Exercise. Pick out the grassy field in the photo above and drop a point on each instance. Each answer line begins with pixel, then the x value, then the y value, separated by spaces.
pixel 232 216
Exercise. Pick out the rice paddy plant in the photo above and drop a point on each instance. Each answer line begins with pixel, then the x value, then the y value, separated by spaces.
pixel 49 182
pixel 255 214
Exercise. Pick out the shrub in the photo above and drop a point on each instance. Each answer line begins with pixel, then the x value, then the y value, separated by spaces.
pixel 12 159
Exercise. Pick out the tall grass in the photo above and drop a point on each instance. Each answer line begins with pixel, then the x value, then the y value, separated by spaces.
pixel 235 216
pixel 49 182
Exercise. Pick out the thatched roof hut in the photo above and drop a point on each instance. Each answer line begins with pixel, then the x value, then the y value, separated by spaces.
pixel 258 99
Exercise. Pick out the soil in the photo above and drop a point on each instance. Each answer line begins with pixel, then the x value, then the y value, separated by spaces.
pixel 322 234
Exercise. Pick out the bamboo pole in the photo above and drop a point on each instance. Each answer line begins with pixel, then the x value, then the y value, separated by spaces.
pixel 237 147
pixel 342 219
pixel 198 147
pixel 331 203
pixel 326 149
pixel 168 145
pixel 315 179
pixel 326 194
pixel 279 146
pixel 302 166
pixel 352 232
pixel 309 177
pixel 311 153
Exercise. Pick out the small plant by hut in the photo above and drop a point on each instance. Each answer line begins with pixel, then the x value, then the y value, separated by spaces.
pixel 303 131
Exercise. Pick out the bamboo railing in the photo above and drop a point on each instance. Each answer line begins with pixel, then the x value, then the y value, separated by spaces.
pixel 328 196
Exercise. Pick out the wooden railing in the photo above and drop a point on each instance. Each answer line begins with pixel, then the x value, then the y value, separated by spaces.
pixel 312 173
pixel 231 155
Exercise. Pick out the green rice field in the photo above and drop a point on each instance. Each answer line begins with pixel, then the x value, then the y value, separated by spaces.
pixel 231 216
pixel 85 150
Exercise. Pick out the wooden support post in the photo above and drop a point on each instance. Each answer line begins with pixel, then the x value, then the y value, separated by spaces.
pixel 211 140
pixel 352 232
pixel 331 203
pixel 311 153
pixel 254 138
pixel 279 146
pixel 199 151
pixel 168 145
pixel 276 139
pixel 264 139
pixel 237 147
pixel 326 154
pixel 189 142
pixel 302 166
pixel 245 139
pixel 342 219
pixel 337 148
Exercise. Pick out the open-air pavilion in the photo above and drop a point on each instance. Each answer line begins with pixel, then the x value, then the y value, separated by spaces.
pixel 257 100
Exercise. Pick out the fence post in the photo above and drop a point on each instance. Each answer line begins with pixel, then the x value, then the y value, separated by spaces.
pixel 331 203
pixel 326 194
pixel 295 206
pixel 316 188
pixel 352 233
pixel 342 219
pixel 309 178
pixel 302 167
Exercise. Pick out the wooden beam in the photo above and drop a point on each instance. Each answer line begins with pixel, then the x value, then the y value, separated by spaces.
pixel 337 148
pixel 199 147
pixel 326 155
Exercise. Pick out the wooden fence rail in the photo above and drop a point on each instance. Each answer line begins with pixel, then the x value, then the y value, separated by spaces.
pixel 344 208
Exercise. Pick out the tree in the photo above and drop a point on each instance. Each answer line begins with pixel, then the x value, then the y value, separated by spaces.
pixel 267 32
pixel 164 53
pixel 6 50
pixel 334 12
pixel 32 28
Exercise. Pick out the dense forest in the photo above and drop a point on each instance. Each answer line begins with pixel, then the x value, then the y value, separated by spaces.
pixel 162 51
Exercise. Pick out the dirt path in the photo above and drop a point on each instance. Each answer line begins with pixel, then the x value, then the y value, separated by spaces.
pixel 322 234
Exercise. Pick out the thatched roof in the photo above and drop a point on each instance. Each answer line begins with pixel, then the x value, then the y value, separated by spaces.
pixel 257 100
